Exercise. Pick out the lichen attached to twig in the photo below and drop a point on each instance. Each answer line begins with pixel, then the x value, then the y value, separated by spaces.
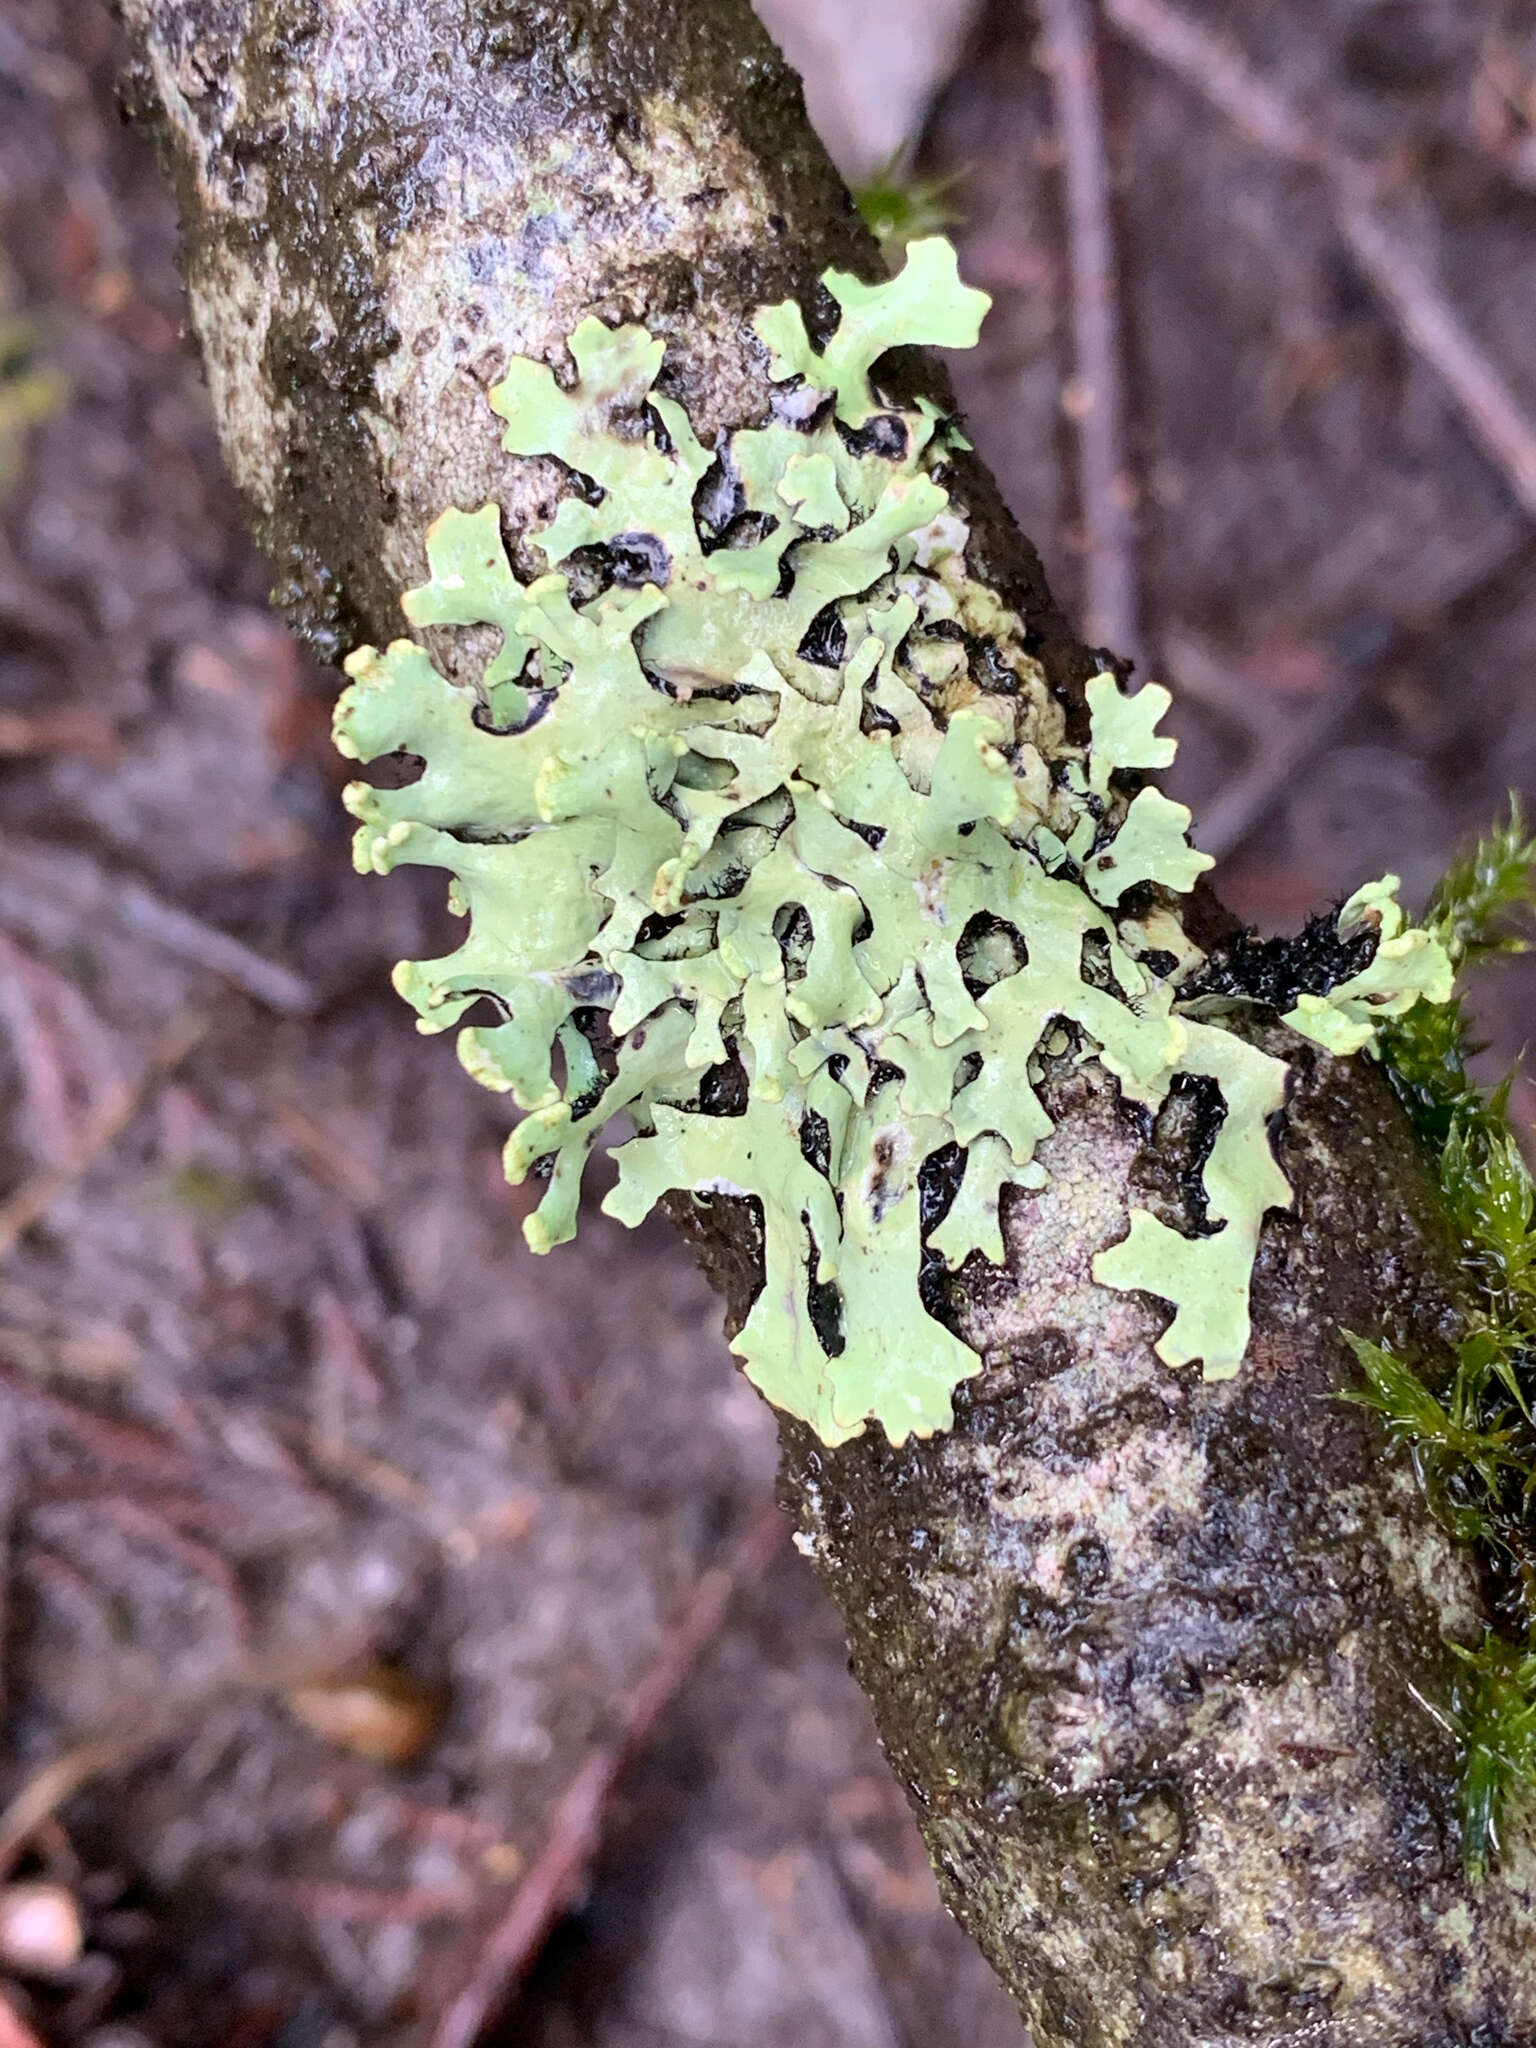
pixel 771 835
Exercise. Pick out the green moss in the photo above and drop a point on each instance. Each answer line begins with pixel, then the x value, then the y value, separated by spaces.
pixel 745 818
pixel 1493 1713
pixel 900 208
pixel 1473 1441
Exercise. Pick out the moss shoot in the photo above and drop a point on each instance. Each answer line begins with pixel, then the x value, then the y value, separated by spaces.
pixel 1473 1439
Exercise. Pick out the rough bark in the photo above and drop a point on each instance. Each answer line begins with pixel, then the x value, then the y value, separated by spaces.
pixel 1145 1651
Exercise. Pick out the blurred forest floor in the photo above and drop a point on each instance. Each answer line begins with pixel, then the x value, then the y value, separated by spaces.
pixel 399 1642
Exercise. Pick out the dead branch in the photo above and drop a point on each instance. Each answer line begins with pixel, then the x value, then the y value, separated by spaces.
pixel 555 1877
pixel 1096 398
pixel 1214 68
pixel 42 885
pixel 35 1197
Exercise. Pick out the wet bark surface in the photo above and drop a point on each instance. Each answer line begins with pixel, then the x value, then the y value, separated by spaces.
pixel 337 1535
pixel 1142 1650
pixel 1155 1645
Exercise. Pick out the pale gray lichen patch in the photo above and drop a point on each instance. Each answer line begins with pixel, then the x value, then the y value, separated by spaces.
pixel 231 301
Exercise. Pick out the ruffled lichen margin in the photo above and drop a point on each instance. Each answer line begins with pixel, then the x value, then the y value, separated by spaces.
pixel 771 835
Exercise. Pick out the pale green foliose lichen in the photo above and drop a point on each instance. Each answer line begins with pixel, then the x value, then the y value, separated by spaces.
pixel 769 835
pixel 1409 965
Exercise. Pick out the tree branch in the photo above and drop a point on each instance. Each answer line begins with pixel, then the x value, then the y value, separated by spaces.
pixel 1149 1653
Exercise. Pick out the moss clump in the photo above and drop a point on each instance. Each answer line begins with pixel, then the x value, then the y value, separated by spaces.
pixel 1473 1441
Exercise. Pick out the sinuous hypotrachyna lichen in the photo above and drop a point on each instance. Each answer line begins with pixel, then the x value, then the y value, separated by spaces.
pixel 769 833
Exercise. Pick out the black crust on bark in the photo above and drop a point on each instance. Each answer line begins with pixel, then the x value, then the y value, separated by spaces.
pixel 1276 971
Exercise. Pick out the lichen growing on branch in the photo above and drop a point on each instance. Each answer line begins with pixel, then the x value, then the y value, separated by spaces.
pixel 771 835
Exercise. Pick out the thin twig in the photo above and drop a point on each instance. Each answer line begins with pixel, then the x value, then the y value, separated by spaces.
pixel 1249 797
pixel 35 1197
pixel 1221 74
pixel 178 932
pixel 575 1832
pixel 372 1905
pixel 1281 747
pixel 9 1437
pixel 113 1748
pixel 67 881
pixel 35 1050
pixel 1097 396
pixel 1216 69
pixel 104 1361
pixel 56 1038
pixel 1493 414
pixel 322 1150
pixel 1199 673
pixel 57 1781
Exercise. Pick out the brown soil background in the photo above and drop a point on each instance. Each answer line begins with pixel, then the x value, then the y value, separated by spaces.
pixel 284 1404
